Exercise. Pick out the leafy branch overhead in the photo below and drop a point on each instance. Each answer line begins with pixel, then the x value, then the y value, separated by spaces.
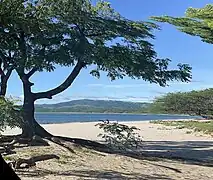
pixel 197 22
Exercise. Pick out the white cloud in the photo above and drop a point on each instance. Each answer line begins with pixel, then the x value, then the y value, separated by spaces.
pixel 145 84
pixel 119 86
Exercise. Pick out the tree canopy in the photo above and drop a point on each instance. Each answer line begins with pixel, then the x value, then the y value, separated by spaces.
pixel 193 103
pixel 197 22
pixel 44 33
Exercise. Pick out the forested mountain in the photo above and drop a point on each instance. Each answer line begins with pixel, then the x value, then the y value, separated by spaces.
pixel 96 106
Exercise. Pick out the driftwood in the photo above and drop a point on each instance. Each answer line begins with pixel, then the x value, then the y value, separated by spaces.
pixel 26 163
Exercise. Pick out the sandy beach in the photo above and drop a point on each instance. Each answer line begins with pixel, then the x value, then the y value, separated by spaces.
pixel 166 141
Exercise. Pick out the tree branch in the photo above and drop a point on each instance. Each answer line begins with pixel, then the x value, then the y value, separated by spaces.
pixel 94 35
pixel 31 72
pixel 8 73
pixel 64 85
pixel 2 72
pixel 5 59
pixel 24 77
pixel 21 73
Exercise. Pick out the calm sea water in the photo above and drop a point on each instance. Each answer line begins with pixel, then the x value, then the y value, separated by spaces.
pixel 51 118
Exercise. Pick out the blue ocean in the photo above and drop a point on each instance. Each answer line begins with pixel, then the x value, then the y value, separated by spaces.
pixel 54 118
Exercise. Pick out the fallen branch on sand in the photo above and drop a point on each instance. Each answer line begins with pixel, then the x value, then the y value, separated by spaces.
pixel 26 163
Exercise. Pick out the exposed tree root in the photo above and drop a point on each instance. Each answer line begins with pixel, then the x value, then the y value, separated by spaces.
pixel 9 141
pixel 6 151
pixel 61 143
pixel 42 134
pixel 7 148
pixel 8 138
pixel 26 163
pixel 86 143
pixel 37 141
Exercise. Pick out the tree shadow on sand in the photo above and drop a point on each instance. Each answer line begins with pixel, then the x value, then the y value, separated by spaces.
pixel 189 152
pixel 88 174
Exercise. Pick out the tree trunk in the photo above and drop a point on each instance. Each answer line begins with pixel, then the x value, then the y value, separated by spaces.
pixel 4 80
pixel 31 127
pixel 28 117
pixel 3 86
pixel 28 111
pixel 40 131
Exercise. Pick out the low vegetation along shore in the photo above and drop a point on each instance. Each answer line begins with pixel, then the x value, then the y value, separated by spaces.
pixel 196 126
pixel 168 151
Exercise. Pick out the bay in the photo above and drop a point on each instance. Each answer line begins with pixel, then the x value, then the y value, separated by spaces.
pixel 55 118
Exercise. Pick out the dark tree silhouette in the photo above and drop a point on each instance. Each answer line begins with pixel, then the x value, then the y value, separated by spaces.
pixel 6 172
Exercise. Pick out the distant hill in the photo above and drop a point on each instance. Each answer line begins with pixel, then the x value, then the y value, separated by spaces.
pixel 94 106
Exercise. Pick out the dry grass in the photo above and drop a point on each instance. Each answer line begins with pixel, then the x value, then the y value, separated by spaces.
pixel 198 126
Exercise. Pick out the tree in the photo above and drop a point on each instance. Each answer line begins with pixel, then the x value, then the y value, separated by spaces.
pixel 10 114
pixel 198 103
pixel 5 73
pixel 197 22
pixel 38 35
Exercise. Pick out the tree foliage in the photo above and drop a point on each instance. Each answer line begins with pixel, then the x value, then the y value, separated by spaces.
pixel 44 33
pixel 197 22
pixel 10 114
pixel 193 103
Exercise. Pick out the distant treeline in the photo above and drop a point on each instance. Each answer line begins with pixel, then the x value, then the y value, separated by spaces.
pixel 199 103
pixel 94 106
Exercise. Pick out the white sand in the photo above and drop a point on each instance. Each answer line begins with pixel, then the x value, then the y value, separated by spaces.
pixel 149 131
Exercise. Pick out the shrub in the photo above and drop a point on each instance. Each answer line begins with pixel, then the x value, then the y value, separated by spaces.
pixel 10 114
pixel 120 136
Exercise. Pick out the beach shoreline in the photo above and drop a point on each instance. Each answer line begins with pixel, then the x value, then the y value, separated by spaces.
pixel 88 130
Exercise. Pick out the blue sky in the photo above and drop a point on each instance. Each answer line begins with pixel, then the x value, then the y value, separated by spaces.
pixel 169 43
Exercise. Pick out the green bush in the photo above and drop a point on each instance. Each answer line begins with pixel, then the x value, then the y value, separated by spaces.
pixel 120 136
pixel 10 114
